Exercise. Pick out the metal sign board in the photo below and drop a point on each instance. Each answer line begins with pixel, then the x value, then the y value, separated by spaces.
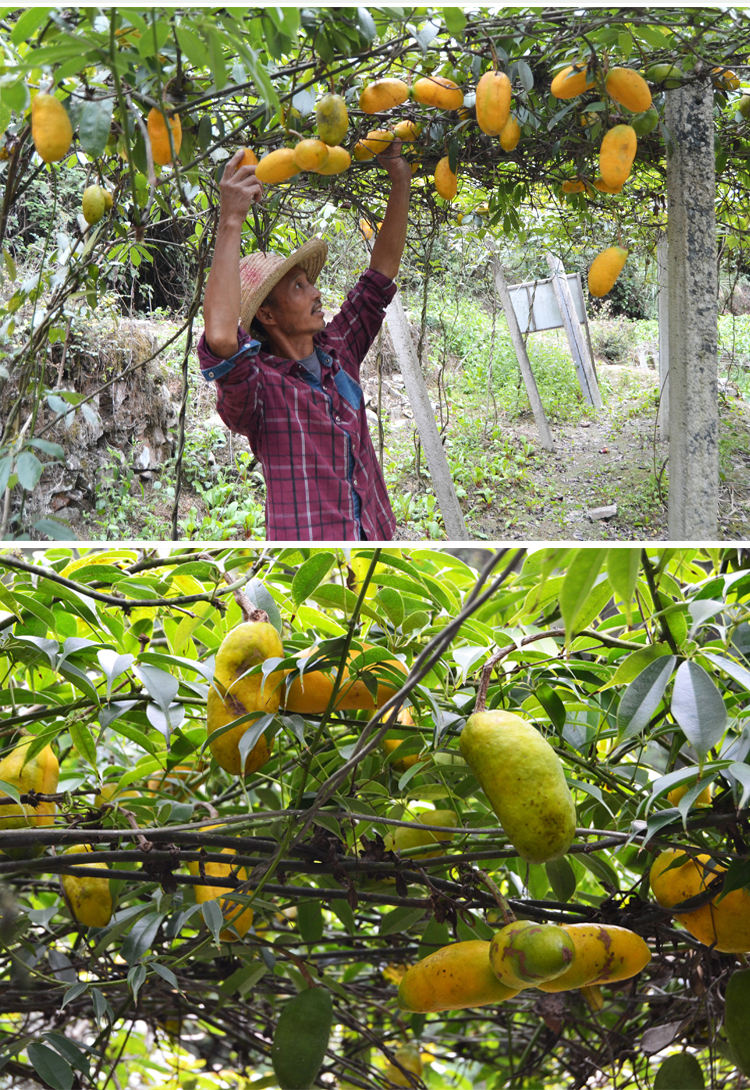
pixel 535 304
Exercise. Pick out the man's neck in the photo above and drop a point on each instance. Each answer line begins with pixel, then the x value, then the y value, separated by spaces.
pixel 291 348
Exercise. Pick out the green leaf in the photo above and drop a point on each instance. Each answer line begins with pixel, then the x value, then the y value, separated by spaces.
pixel 156 34
pixel 577 586
pixel 50 1066
pixel 634 664
pixel 698 707
pixel 159 684
pixel 738 673
pixel 399 919
pixel 434 936
pixel 643 696
pixel 214 918
pixel 562 878
pixel 552 704
pixel 310 921
pixel 196 52
pixel 622 572
pixel 310 575
pixel 15 97
pixel 83 742
pixel 342 909
pixel 29 470
pixel 136 980
pixel 454 20
pixel 392 603
pixel 27 23
pixel 94 125
pixel 9 790
pixel 141 935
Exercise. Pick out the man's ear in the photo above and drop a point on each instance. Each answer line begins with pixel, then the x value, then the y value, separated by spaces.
pixel 264 314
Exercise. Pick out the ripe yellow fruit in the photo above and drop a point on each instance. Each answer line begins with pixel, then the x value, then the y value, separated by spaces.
pixel 524 782
pixel 602 186
pixel 311 693
pixel 510 135
pixel 446 182
pixel 237 915
pixel 51 129
pixel 390 744
pixel 628 88
pixel 108 199
pixel 704 799
pixel 617 153
pixel 277 166
pixel 109 793
pixel 332 119
pixel 438 91
pixel 572 81
pixel 724 924
pixel 605 268
pixel 249 159
pixel 454 977
pixel 407 130
pixel 159 136
pixel 603 954
pixel 410 1059
pixel 93 204
pixel 573 185
pixel 234 693
pixel 89 899
pixel 41 774
pixel 493 103
pixel 338 160
pixel 725 79
pixel 377 140
pixel 414 837
pixel 383 94
pixel 361 152
pixel 366 229
pixel 310 154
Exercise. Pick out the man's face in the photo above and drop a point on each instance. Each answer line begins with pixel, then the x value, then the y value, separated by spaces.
pixel 293 306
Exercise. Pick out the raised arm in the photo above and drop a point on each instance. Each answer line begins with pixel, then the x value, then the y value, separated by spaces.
pixel 389 244
pixel 221 302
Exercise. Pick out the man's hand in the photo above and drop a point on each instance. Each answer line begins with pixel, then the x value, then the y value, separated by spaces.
pixel 239 188
pixel 394 163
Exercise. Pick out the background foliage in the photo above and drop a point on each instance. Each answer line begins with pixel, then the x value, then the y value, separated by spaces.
pixel 632 663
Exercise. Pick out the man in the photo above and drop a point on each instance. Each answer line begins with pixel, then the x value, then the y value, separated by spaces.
pixel 289 382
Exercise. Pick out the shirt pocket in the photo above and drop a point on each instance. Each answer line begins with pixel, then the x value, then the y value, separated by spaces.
pixel 350 390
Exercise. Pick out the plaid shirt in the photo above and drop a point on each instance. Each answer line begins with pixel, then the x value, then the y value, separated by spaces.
pixel 311 438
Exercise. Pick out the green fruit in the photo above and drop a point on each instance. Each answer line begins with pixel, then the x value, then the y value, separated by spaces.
pixel 737 1018
pixel 645 122
pixel 301 1039
pixel 524 782
pixel 669 74
pixel 93 204
pixel 743 106
pixel 525 952
pixel 679 1072
pixel 332 119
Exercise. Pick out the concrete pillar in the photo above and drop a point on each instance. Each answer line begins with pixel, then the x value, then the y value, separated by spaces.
pixel 663 297
pixel 693 315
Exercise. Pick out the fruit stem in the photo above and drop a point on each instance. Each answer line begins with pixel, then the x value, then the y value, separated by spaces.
pixel 509 915
pixel 250 611
pixel 484 681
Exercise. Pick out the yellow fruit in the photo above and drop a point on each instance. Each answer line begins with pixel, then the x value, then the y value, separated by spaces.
pixel 338 161
pixel 108 199
pixel 310 154
pixel 109 793
pixel 407 130
pixel 438 91
pixel 724 924
pixel 410 1059
pixel 603 954
pixel 572 81
pixel 249 159
pixel 525 952
pixel 510 135
pixel 616 154
pixel 332 119
pixel 524 782
pixel 725 79
pixel 573 185
pixel 159 136
pixel 366 229
pixel 51 129
pixel 41 774
pixel 377 140
pixel 89 899
pixel 493 102
pixel 277 166
pixel 704 799
pixel 390 744
pixel 454 977
pixel 605 268
pixel 93 204
pixel 446 182
pixel 237 915
pixel 383 94
pixel 602 186
pixel 361 152
pixel 628 88
pixel 414 837
pixel 310 694
pixel 233 695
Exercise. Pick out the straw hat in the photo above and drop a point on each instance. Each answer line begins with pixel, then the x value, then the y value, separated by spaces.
pixel 261 272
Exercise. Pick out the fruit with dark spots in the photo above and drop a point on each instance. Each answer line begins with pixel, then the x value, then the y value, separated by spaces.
pixel 454 977
pixel 603 953
pixel 526 952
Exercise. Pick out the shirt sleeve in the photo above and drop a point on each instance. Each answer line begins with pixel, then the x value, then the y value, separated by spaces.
pixel 357 323
pixel 237 379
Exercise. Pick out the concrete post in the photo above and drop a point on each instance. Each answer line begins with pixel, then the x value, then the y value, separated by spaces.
pixel 693 315
pixel 424 417
pixel 661 264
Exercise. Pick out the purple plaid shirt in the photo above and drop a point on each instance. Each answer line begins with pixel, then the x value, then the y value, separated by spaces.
pixel 312 439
